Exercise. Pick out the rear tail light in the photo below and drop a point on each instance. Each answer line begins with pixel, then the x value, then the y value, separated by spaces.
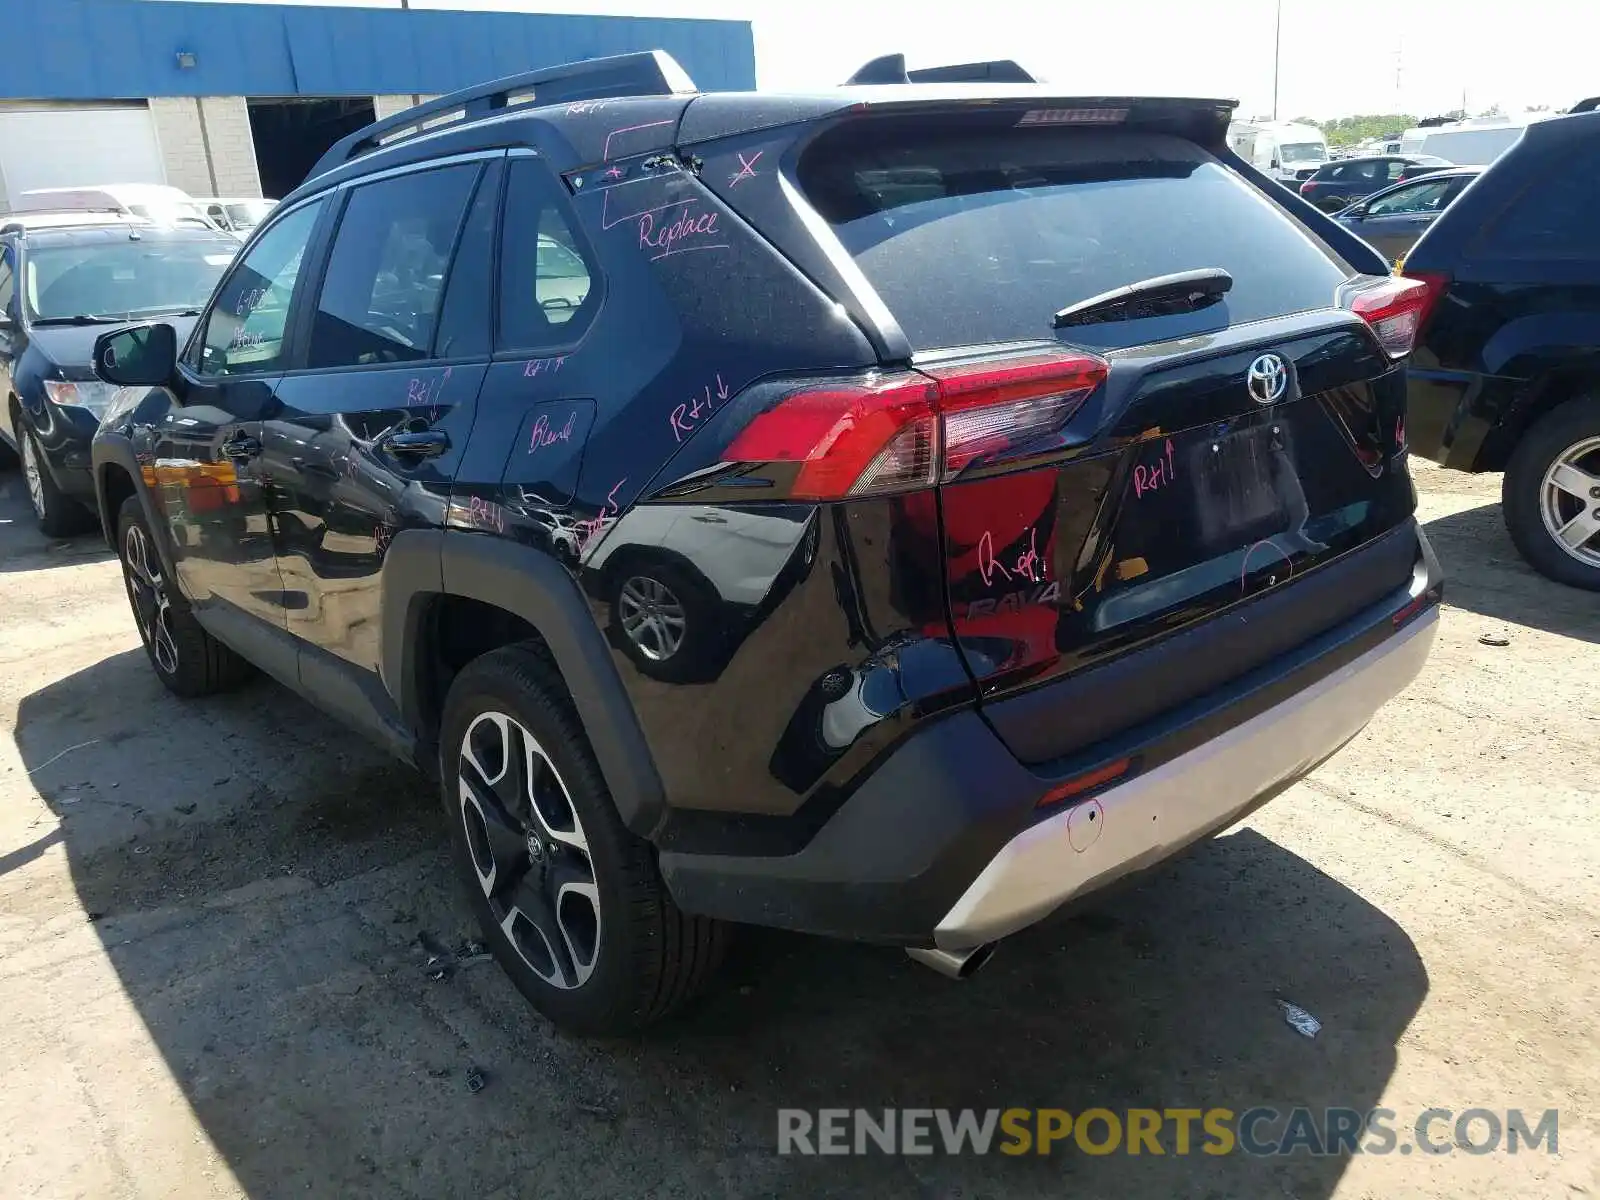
pixel 1437 283
pixel 1394 308
pixel 1305 188
pixel 911 430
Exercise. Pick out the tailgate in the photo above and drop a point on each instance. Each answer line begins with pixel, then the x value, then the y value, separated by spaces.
pixel 1236 447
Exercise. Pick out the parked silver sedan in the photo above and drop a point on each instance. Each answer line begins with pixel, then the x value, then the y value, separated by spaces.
pixel 1392 220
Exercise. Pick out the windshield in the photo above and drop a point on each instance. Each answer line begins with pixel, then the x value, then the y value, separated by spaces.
pixel 1305 152
pixel 122 280
pixel 174 212
pixel 249 213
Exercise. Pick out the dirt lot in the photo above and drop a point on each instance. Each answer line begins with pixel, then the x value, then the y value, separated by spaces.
pixel 211 979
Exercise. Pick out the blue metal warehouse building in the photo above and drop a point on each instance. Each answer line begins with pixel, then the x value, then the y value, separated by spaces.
pixel 240 99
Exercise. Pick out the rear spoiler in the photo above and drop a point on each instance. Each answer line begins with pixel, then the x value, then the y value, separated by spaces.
pixel 891 68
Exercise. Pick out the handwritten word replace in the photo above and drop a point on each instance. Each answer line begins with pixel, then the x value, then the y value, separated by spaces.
pixel 685 418
pixel 545 435
pixel 670 239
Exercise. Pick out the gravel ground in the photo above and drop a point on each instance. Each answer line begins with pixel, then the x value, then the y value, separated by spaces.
pixel 213 983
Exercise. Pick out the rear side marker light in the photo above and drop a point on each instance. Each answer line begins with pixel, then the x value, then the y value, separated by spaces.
pixel 1088 781
pixel 1394 308
pixel 915 429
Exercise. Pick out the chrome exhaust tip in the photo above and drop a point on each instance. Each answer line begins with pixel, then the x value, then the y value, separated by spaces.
pixel 953 964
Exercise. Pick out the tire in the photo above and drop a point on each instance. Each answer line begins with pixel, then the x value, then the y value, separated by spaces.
pixel 645 594
pixel 571 904
pixel 1535 508
pixel 187 659
pixel 57 513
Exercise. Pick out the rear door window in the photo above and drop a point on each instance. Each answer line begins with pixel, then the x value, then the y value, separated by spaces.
pixel 385 279
pixel 981 237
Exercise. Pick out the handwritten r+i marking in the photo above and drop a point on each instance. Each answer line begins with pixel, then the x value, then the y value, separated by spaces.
pixel 1028 565
pixel 683 418
pixel 542 366
pixel 426 391
pixel 747 168
pixel 1149 479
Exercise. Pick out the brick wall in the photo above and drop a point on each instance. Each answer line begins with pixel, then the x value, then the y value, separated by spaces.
pixel 387 106
pixel 183 146
pixel 233 149
pixel 206 144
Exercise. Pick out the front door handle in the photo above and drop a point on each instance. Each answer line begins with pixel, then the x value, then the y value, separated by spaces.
pixel 241 446
pixel 422 443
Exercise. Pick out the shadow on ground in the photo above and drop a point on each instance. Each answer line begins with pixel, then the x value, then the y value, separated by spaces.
pixel 259 884
pixel 24 548
pixel 1485 574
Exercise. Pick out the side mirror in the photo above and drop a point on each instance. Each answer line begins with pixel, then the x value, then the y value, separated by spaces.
pixel 141 356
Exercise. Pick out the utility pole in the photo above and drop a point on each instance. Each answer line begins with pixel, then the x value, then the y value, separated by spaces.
pixel 1277 50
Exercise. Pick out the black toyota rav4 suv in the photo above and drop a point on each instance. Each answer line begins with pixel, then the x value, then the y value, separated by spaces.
pixel 890 512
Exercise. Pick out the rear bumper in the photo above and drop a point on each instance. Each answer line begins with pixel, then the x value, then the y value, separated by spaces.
pixel 1196 794
pixel 1450 415
pixel 943 844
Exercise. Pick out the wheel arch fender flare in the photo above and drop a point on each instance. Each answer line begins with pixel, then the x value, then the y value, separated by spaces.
pixel 421 565
pixel 118 452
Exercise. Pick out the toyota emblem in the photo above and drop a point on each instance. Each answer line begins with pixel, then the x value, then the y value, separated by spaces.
pixel 1267 379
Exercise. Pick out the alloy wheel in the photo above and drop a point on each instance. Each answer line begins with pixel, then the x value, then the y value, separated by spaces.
pixel 529 850
pixel 33 472
pixel 151 606
pixel 652 617
pixel 1569 501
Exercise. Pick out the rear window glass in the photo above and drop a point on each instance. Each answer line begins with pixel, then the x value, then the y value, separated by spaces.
pixel 1555 217
pixel 982 237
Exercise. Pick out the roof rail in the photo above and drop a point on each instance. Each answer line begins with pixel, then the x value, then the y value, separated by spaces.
pixel 643 73
pixel 891 68
pixel 1592 104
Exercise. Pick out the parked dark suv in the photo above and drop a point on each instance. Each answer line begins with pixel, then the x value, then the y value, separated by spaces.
pixel 890 512
pixel 1506 376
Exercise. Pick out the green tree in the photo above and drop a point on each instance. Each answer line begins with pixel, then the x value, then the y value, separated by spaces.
pixel 1347 131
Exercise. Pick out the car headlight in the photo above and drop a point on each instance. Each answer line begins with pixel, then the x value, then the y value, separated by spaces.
pixel 80 393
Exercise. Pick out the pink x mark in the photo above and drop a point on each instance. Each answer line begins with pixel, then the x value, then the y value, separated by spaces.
pixel 747 168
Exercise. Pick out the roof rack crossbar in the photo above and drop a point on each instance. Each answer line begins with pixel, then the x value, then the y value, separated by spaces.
pixel 643 73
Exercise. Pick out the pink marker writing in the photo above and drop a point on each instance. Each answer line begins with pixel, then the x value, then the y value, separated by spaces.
pixel 690 227
pixel 1150 478
pixel 544 435
pixel 685 417
pixel 542 366
pixel 486 514
pixel 747 168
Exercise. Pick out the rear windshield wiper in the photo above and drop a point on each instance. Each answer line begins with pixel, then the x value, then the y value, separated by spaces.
pixel 1160 296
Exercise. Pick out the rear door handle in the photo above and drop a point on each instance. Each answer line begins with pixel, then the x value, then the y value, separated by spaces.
pixel 423 443
pixel 241 446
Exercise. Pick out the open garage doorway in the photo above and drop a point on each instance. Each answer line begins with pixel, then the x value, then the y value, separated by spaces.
pixel 291 134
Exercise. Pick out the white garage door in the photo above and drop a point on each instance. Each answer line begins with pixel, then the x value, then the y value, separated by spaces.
pixel 76 145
